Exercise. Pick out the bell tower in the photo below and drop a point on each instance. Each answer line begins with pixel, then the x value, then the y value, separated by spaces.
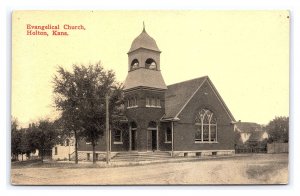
pixel 144 93
pixel 144 53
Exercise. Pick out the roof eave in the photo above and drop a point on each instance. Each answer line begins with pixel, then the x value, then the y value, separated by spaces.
pixel 169 119
pixel 130 51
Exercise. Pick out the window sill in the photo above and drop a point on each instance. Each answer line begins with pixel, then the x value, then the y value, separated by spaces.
pixel 118 142
pixel 168 142
pixel 149 106
pixel 200 142
pixel 132 107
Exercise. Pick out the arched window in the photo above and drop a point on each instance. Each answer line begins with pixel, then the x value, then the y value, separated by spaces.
pixel 133 125
pixel 152 125
pixel 150 64
pixel 134 64
pixel 206 126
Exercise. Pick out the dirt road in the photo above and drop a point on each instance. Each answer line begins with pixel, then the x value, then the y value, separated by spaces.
pixel 252 169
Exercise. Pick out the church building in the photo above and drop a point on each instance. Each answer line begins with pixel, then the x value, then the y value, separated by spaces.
pixel 188 118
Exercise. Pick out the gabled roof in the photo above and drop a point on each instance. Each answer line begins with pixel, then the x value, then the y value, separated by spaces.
pixel 178 96
pixel 145 78
pixel 248 127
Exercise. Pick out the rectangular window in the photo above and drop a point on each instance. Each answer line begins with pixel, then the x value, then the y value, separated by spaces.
pixel 88 156
pixel 135 102
pixel 152 102
pixel 147 102
pixel 55 150
pixel 118 136
pixel 158 102
pixel 131 103
pixel 168 135
pixel 97 156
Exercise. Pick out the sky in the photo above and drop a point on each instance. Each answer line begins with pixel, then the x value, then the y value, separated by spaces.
pixel 244 53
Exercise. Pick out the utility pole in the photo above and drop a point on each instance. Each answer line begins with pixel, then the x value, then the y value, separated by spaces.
pixel 107 128
pixel 172 154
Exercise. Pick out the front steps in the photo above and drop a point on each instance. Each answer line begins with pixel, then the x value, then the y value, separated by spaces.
pixel 135 156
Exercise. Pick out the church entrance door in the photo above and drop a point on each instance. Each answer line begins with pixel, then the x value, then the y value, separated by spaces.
pixel 133 139
pixel 154 140
pixel 152 136
pixel 132 136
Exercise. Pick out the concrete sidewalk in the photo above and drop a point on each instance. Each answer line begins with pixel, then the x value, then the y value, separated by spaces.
pixel 112 163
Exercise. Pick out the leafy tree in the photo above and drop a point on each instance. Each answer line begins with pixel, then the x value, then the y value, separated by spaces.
pixel 15 139
pixel 24 147
pixel 43 137
pixel 67 94
pixel 278 129
pixel 80 96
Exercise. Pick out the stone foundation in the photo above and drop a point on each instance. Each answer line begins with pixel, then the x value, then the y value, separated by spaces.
pixel 204 153
pixel 88 155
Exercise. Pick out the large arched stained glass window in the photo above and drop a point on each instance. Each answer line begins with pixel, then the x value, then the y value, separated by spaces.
pixel 206 126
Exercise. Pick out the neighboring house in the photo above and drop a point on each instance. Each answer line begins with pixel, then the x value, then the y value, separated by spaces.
pixel 31 156
pixel 251 132
pixel 186 118
pixel 258 136
pixel 65 150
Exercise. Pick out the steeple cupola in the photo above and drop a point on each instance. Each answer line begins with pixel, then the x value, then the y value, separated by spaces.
pixel 144 63
pixel 144 41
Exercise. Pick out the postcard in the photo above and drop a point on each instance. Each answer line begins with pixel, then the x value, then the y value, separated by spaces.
pixel 150 97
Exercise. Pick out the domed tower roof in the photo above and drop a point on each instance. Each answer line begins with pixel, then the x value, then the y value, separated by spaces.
pixel 144 41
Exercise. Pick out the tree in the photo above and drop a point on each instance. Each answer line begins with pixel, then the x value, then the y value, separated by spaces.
pixel 67 92
pixel 278 129
pixel 43 136
pixel 15 139
pixel 80 96
pixel 24 147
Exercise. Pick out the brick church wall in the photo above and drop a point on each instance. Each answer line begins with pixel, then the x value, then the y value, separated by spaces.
pixel 184 130
pixel 142 115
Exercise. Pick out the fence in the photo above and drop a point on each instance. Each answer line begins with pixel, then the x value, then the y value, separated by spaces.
pixel 278 148
pixel 239 150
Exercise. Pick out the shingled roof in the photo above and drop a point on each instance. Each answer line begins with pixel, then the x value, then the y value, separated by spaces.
pixel 248 127
pixel 143 41
pixel 146 78
pixel 178 96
